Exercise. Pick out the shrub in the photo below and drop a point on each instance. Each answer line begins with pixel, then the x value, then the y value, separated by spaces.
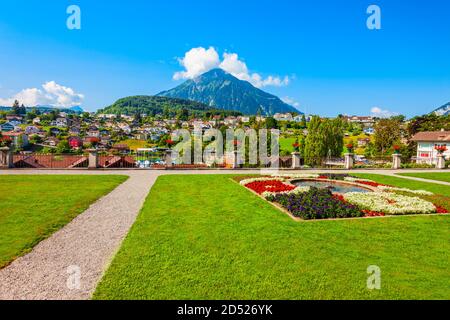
pixel 335 176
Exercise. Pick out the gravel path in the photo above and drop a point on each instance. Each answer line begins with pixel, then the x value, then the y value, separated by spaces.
pixel 85 246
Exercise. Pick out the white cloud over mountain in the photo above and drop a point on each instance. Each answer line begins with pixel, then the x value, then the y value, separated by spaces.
pixel 380 113
pixel 200 60
pixel 51 93
pixel 291 102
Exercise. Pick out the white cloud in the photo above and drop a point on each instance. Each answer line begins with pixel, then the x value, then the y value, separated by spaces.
pixel 51 94
pixel 380 113
pixel 291 102
pixel 197 61
pixel 200 60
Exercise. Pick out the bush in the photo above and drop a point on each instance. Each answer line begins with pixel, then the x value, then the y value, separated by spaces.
pixel 317 204
pixel 414 165
pixel 335 176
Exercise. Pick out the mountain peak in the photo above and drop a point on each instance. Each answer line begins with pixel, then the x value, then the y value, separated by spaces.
pixel 443 111
pixel 220 89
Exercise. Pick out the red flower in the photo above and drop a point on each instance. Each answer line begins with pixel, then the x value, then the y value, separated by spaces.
pixel 296 145
pixel 323 177
pixel 169 142
pixel 396 147
pixel 441 149
pixel 349 146
pixel 339 197
pixel 369 183
pixel 269 185
pixel 373 213
pixel 441 209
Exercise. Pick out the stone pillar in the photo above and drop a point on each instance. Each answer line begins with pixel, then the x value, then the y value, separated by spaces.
pixel 93 159
pixel 296 164
pixel 169 162
pixel 6 158
pixel 396 161
pixel 349 161
pixel 440 161
pixel 235 160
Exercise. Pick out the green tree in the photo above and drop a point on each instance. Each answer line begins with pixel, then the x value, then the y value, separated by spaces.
pixel 271 123
pixel 63 147
pixel 15 107
pixel 325 138
pixel 303 122
pixel 387 133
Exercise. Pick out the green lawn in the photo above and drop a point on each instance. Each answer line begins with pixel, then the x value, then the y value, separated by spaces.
pixel 439 176
pixel 206 237
pixel 34 207
pixel 286 144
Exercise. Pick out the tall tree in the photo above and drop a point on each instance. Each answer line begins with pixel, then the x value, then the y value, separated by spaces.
pixel 387 132
pixel 16 107
pixel 303 122
pixel 325 138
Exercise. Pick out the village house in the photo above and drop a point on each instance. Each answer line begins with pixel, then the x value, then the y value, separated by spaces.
pixel 60 122
pixel 244 119
pixel 107 116
pixel 6 127
pixel 75 130
pixel 14 118
pixel 366 121
pixel 75 143
pixel 32 130
pixel 283 117
pixel 51 142
pixel 230 121
pixel 426 145
pixel 93 131
pixel 55 131
pixel 37 120
pixel 363 142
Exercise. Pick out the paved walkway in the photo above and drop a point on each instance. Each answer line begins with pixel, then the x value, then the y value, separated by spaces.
pixel 89 242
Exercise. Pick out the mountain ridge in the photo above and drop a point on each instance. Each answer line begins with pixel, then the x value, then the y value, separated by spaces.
pixel 154 105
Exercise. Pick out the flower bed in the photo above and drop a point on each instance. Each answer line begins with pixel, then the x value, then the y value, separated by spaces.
pixel 315 203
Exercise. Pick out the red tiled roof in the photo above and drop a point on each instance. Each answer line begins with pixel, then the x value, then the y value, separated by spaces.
pixel 432 136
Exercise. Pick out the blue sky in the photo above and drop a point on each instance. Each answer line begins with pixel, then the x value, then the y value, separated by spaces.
pixel 333 62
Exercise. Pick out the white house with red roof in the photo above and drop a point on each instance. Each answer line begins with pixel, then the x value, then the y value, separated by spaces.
pixel 428 141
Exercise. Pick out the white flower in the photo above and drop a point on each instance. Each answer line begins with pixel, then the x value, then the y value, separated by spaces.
pixel 297 175
pixel 419 192
pixel 389 203
pixel 297 190
pixel 352 179
pixel 250 180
